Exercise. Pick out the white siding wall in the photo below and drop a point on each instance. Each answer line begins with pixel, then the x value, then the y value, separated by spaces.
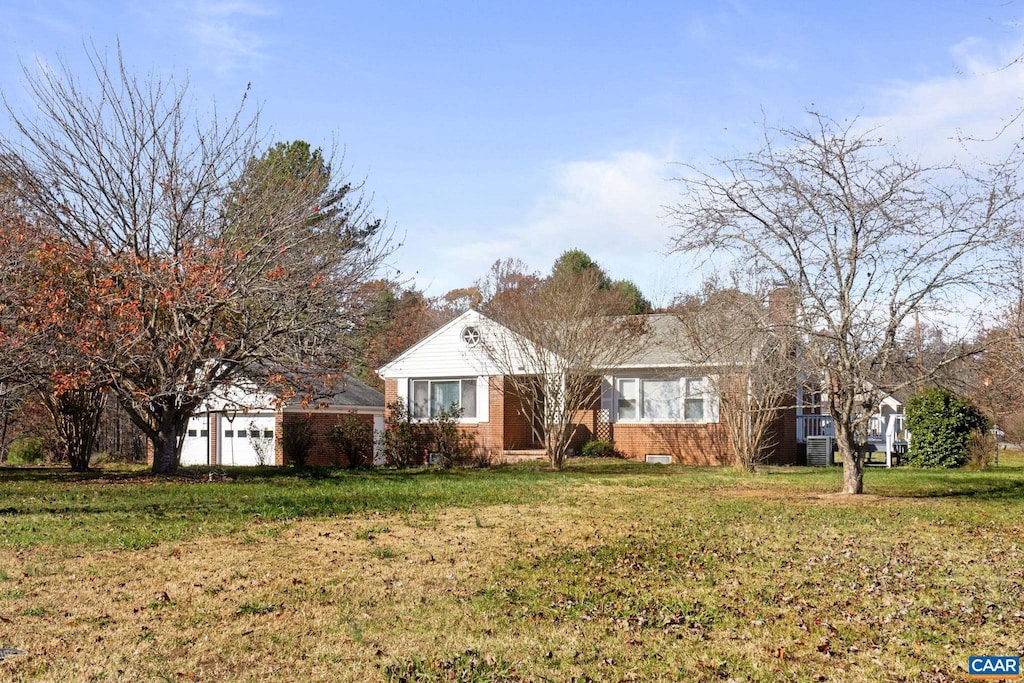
pixel 195 450
pixel 444 354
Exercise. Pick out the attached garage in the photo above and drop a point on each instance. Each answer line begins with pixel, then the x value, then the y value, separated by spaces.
pixel 195 450
pixel 245 439
pixel 239 425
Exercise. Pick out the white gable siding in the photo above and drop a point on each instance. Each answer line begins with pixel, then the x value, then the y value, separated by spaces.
pixel 241 395
pixel 444 353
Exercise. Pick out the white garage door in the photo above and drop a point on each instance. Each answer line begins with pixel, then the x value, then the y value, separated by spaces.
pixel 247 439
pixel 195 449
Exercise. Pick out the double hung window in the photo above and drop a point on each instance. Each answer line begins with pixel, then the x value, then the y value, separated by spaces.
pixel 693 404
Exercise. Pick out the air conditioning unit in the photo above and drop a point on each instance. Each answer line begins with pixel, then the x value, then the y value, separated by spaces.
pixel 819 451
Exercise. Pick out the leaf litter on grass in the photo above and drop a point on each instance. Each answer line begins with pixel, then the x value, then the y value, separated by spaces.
pixel 669 580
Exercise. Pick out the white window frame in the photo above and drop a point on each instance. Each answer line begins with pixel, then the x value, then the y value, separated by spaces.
pixel 689 395
pixel 707 394
pixel 618 398
pixel 678 417
pixel 462 389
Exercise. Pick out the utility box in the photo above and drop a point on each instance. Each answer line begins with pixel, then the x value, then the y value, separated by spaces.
pixel 819 451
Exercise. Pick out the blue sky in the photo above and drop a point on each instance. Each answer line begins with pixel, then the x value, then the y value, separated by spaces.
pixel 488 129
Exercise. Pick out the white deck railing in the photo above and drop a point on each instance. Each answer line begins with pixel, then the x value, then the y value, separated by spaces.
pixel 822 425
pixel 888 434
pixel 813 425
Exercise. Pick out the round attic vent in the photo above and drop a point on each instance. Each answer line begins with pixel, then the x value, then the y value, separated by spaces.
pixel 470 336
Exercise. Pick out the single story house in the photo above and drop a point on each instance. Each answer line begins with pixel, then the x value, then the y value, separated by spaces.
pixel 654 407
pixel 242 424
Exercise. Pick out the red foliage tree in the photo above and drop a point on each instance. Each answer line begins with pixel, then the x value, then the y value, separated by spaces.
pixel 181 256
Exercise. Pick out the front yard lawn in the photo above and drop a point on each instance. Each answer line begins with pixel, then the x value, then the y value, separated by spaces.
pixel 607 571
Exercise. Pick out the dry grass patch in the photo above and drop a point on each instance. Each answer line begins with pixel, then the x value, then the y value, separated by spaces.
pixel 673 576
pixel 329 600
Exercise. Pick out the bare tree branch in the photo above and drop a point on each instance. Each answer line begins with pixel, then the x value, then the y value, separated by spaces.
pixel 864 238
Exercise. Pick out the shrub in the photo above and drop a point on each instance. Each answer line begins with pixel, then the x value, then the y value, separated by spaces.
pixel 940 425
pixel 352 439
pixel 261 444
pixel 296 442
pixel 399 446
pixel 26 450
pixel 449 443
pixel 484 457
pixel 981 447
pixel 600 448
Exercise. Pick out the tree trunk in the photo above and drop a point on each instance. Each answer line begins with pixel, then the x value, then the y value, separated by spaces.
pixel 853 458
pixel 165 454
pixel 853 474
pixel 4 421
pixel 166 446
pixel 556 453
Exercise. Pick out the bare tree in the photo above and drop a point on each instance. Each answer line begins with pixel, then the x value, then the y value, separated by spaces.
pixel 563 331
pixel 997 374
pixel 748 338
pixel 203 258
pixel 864 238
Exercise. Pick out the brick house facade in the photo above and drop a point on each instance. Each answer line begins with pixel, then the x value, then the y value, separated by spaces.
pixel 650 408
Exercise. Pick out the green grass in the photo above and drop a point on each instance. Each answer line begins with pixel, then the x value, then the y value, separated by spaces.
pixel 127 509
pixel 609 570
pixel 257 608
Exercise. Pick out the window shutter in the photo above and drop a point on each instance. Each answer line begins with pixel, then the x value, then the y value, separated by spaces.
pixel 483 398
pixel 402 389
pixel 711 398
pixel 607 399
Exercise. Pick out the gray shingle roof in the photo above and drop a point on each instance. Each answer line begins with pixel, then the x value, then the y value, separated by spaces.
pixel 356 393
pixel 663 344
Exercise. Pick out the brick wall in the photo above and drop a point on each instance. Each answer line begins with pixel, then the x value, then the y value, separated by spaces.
pixel 787 450
pixel 509 428
pixel 689 444
pixel 279 458
pixel 390 392
pixel 214 435
pixel 322 453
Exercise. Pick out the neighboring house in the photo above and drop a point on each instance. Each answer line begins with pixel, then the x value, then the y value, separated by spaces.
pixel 887 438
pixel 654 407
pixel 242 424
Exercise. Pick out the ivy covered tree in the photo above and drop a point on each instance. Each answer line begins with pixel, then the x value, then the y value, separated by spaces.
pixel 940 425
